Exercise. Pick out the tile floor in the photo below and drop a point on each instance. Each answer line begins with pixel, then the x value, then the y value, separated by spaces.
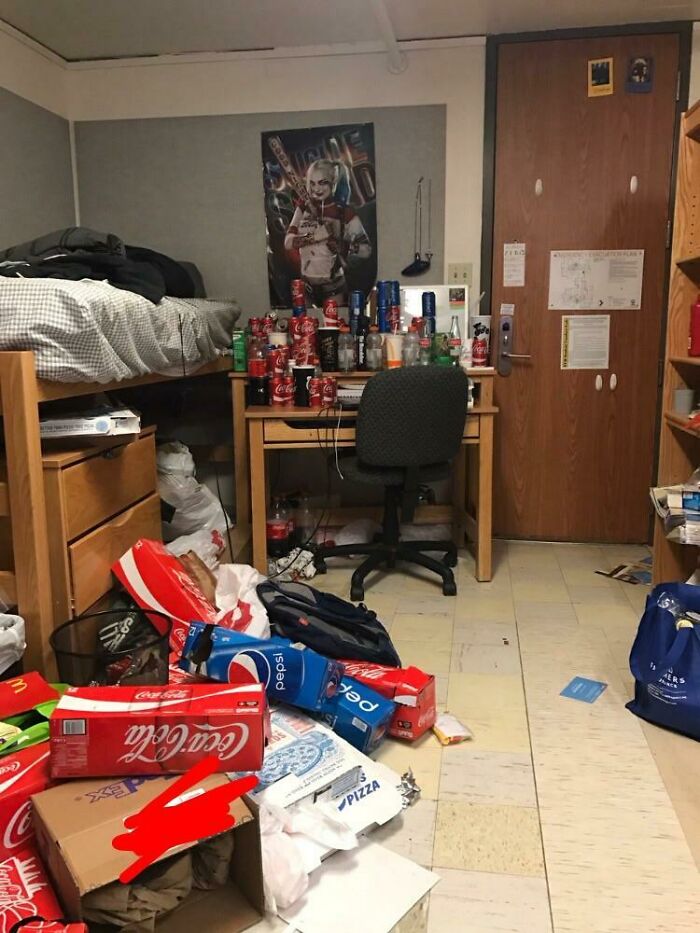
pixel 559 816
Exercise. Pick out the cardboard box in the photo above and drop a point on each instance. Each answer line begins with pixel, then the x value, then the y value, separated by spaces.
pixel 26 702
pixel 21 775
pixel 100 731
pixel 358 714
pixel 305 761
pixel 76 822
pixel 411 689
pixel 290 673
pixel 25 890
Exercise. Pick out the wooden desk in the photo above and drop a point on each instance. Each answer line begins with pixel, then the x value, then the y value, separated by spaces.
pixel 259 429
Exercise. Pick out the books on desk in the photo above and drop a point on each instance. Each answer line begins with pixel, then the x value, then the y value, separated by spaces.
pixel 103 422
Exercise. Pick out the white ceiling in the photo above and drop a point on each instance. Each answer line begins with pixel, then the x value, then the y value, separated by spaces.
pixel 89 29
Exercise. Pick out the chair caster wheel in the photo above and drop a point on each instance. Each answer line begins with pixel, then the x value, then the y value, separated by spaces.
pixel 449 588
pixel 320 565
pixel 450 560
pixel 357 593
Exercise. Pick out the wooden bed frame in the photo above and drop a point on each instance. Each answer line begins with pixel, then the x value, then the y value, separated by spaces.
pixel 22 488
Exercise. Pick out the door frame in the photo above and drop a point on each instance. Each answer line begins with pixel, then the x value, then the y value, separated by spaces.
pixel 684 30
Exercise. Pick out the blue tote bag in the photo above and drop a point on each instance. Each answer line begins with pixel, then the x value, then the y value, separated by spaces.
pixel 665 662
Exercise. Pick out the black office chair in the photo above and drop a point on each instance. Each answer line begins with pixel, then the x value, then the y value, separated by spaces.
pixel 409 426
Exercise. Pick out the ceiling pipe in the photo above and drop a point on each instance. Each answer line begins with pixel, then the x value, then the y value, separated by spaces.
pixel 398 61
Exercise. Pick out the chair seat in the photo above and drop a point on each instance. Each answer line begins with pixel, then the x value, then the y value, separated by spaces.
pixel 358 472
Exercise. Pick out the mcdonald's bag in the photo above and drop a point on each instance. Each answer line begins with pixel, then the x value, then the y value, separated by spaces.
pixel 665 659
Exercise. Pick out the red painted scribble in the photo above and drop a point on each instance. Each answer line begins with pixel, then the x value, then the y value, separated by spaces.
pixel 159 827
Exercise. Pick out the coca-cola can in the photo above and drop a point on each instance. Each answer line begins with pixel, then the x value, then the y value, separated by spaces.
pixel 480 352
pixel 309 325
pixel 298 292
pixel 330 313
pixel 256 326
pixel 329 391
pixel 277 391
pixel 303 351
pixel 315 392
pixel 295 327
pixel 288 390
pixel 394 319
pixel 268 324
pixel 277 361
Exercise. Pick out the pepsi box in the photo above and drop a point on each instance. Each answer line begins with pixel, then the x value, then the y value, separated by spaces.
pixel 290 673
pixel 358 714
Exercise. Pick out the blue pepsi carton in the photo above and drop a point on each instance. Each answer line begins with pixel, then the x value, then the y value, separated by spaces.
pixel 290 673
pixel 358 714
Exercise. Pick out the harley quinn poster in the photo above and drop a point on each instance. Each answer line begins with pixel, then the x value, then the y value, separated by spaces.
pixel 320 211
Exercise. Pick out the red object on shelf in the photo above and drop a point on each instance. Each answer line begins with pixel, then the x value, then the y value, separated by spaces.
pixel 694 339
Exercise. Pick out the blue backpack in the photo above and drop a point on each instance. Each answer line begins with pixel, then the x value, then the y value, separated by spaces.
pixel 330 625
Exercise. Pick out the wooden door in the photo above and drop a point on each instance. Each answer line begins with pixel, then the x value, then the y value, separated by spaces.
pixel 571 462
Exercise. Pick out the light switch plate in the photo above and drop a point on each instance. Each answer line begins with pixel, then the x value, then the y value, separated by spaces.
pixel 459 273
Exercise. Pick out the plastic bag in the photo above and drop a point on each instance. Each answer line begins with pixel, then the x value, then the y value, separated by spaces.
pixel 285 870
pixel 196 507
pixel 12 643
pixel 236 597
pixel 207 545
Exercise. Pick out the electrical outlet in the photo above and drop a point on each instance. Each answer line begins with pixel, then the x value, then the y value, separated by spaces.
pixel 459 273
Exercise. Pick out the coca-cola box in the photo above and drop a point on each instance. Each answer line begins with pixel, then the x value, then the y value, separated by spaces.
pixel 99 731
pixel 76 823
pixel 21 775
pixel 411 689
pixel 25 891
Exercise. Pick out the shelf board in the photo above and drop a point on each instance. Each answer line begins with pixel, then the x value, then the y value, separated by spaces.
pixel 680 423
pixel 692 122
pixel 690 265
pixel 684 360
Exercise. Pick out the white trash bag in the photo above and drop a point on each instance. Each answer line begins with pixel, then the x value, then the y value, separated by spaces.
pixel 207 545
pixel 12 643
pixel 196 506
pixel 237 598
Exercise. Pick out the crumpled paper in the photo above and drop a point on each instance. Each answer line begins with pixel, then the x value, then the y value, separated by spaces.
pixel 297 565
pixel 409 789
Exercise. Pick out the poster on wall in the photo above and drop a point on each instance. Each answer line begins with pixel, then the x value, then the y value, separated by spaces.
pixel 320 211
pixel 595 279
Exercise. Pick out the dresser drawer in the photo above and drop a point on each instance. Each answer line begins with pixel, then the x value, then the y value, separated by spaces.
pixel 91 556
pixel 471 426
pixel 97 488
pixel 325 434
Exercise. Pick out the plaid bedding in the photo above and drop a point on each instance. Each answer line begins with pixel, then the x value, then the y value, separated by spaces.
pixel 92 332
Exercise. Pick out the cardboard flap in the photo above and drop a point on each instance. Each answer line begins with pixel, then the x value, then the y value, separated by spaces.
pixel 83 817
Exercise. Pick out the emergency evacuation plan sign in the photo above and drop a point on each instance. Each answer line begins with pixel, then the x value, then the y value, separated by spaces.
pixel 595 279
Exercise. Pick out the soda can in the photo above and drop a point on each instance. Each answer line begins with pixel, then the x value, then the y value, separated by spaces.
pixel 394 319
pixel 428 302
pixel 384 292
pixel 480 351
pixel 295 327
pixel 277 391
pixel 315 392
pixel 298 310
pixel 288 389
pixel 383 319
pixel 277 360
pixel 330 313
pixel 308 326
pixel 357 301
pixel 256 368
pixel 256 326
pixel 395 293
pixel 238 349
pixel 298 293
pixel 303 351
pixel 329 391
pixel 268 325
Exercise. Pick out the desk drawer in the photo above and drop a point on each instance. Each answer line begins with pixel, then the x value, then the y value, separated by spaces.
pixel 286 432
pixel 91 556
pixel 100 487
pixel 471 426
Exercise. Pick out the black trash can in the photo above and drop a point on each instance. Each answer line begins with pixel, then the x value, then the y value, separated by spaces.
pixel 117 647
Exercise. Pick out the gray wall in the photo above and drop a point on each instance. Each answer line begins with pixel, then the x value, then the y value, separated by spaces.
pixel 192 187
pixel 36 184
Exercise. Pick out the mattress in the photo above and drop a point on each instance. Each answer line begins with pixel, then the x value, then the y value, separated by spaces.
pixel 90 331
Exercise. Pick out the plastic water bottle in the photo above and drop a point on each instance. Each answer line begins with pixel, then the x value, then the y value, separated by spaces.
pixel 411 347
pixel 374 349
pixel 346 352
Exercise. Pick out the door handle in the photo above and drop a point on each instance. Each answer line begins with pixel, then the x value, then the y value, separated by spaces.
pixel 506 337
pixel 517 356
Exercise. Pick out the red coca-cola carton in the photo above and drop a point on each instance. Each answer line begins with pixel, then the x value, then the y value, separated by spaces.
pixel 157 580
pixel 410 688
pixel 99 731
pixel 25 891
pixel 21 775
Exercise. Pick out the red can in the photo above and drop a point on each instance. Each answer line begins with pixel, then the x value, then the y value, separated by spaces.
pixel 330 313
pixel 277 360
pixel 330 391
pixel 256 326
pixel 295 327
pixel 277 391
pixel 268 325
pixel 315 392
pixel 480 352
pixel 308 325
pixel 298 292
pixel 303 351
pixel 288 389
pixel 394 319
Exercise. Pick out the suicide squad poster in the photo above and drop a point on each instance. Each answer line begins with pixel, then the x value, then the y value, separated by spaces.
pixel 320 211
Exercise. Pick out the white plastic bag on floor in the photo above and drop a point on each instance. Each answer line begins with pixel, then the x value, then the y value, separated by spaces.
pixel 236 594
pixel 196 506
pixel 207 545
pixel 12 643
pixel 285 872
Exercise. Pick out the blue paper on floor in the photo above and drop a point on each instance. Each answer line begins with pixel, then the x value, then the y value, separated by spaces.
pixel 581 688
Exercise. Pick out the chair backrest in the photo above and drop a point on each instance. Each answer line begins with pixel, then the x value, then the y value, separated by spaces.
pixel 412 416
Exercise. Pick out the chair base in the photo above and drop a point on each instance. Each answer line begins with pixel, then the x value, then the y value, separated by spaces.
pixel 380 553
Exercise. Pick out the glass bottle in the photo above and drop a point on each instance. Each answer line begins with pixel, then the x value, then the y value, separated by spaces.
pixel 455 341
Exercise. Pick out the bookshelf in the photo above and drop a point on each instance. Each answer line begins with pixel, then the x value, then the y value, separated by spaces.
pixel 679 445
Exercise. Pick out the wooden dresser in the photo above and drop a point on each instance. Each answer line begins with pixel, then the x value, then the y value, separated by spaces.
pixel 99 501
